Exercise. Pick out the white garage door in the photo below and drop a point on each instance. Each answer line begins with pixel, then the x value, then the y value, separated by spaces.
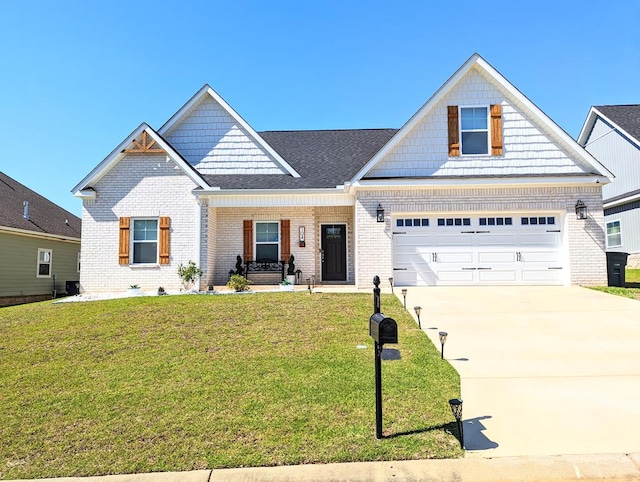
pixel 476 249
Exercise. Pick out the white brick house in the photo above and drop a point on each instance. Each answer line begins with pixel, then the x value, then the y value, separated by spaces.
pixel 478 187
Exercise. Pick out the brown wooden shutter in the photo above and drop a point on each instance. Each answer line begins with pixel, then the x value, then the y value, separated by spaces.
pixel 454 134
pixel 496 130
pixel 285 240
pixel 248 240
pixel 165 223
pixel 123 252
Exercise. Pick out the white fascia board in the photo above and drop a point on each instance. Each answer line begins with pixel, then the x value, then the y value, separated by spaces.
pixel 478 62
pixel 587 126
pixel 591 119
pixel 116 155
pixel 207 90
pixel 272 197
pixel 542 181
pixel 32 234
pixel 619 202
pixel 86 194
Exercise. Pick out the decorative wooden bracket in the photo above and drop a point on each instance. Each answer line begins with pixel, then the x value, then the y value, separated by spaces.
pixel 144 146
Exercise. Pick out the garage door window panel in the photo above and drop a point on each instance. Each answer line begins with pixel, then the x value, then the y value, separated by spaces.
pixel 454 222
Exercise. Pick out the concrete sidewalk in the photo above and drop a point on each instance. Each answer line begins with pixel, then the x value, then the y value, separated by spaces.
pixel 561 468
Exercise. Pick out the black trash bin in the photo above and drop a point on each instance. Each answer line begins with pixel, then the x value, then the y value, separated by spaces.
pixel 616 263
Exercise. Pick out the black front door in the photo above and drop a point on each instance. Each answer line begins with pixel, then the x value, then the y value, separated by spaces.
pixel 334 252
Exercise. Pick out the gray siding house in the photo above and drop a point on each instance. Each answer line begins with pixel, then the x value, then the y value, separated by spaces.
pixel 478 187
pixel 39 245
pixel 611 133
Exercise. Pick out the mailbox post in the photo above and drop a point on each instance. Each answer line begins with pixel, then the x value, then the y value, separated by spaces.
pixel 383 330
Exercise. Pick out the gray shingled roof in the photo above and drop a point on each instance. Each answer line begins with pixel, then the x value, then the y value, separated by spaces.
pixel 324 159
pixel 45 217
pixel 625 116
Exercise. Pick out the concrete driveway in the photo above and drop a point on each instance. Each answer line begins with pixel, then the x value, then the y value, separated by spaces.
pixel 544 370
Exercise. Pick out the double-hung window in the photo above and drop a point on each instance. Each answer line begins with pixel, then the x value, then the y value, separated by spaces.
pixel 474 130
pixel 267 240
pixel 145 241
pixel 614 235
pixel 44 263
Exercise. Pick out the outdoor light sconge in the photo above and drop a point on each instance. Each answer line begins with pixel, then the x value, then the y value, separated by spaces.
pixel 581 210
pixel 456 409
pixel 443 340
pixel 391 283
pixel 418 309
pixel 404 295
pixel 380 213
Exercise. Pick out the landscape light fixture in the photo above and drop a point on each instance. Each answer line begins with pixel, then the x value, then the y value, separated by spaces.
pixel 391 283
pixel 456 409
pixel 380 213
pixel 443 340
pixel 581 210
pixel 404 295
pixel 418 309
pixel 309 285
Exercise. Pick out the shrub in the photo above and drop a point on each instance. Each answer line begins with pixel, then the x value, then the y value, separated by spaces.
pixel 189 274
pixel 238 283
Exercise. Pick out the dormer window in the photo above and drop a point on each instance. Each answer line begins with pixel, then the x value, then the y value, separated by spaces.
pixel 468 130
pixel 474 130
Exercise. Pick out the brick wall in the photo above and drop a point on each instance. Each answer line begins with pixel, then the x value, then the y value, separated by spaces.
pixel 138 186
pixel 584 240
pixel 226 229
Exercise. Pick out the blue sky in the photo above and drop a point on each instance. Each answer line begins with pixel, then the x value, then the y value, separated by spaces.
pixel 76 77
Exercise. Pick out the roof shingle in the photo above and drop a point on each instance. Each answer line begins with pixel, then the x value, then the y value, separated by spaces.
pixel 625 116
pixel 45 217
pixel 324 159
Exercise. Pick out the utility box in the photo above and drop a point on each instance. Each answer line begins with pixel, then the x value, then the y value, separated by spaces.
pixel 383 329
pixel 616 264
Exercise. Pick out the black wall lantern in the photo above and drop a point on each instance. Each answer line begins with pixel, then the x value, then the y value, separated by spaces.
pixel 380 213
pixel 581 210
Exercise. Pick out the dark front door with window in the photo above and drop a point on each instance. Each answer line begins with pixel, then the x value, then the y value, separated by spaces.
pixel 334 252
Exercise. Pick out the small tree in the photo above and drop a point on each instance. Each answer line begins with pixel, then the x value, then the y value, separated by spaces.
pixel 189 274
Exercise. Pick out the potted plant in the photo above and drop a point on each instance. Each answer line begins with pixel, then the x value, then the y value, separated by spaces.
pixel 286 285
pixel 291 271
pixel 134 290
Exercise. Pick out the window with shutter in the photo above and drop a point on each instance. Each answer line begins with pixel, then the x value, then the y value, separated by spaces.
pixel 285 240
pixel 496 130
pixel 248 240
pixel 165 224
pixel 454 136
pixel 123 251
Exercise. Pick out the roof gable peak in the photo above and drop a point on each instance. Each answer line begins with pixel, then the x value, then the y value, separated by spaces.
pixel 207 91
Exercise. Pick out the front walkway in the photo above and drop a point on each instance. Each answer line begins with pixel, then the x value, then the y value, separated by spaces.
pixel 544 370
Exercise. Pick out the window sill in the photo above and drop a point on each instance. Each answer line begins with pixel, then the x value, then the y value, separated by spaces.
pixel 144 266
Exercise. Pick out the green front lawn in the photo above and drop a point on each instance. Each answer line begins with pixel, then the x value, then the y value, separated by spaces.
pixel 189 382
pixel 631 289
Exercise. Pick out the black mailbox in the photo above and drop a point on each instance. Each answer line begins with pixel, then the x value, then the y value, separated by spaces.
pixel 383 329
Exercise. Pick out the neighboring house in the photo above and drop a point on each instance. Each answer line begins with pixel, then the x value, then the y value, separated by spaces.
pixel 39 245
pixel 611 134
pixel 478 187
